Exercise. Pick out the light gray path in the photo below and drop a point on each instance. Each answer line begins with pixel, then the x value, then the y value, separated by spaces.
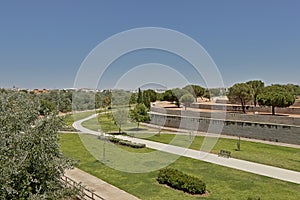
pixel 98 186
pixel 265 170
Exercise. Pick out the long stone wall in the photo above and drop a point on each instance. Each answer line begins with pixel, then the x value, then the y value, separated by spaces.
pixel 264 131
pixel 251 108
pixel 232 116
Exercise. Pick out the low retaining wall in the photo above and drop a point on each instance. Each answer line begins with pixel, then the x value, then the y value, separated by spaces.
pixel 264 131
pixel 261 118
pixel 251 108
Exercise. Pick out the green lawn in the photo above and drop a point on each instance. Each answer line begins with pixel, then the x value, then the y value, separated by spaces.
pixel 106 124
pixel 284 157
pixel 70 118
pixel 222 183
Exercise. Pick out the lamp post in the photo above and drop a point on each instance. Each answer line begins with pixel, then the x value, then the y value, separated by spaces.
pixel 103 151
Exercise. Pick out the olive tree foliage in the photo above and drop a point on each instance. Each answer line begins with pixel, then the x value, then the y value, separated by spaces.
pixel 276 96
pixel 139 114
pixel 31 162
pixel 120 117
pixel 240 92
pixel 56 99
pixel 257 87
pixel 186 100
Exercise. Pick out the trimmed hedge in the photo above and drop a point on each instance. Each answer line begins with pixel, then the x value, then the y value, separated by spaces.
pixel 178 180
pixel 123 142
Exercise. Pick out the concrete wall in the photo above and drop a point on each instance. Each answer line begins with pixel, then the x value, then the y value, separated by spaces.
pixel 232 116
pixel 264 131
pixel 230 107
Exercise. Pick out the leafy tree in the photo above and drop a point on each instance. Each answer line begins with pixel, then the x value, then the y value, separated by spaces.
pixel 46 107
pixel 257 87
pixel 214 92
pixel 120 117
pixel 31 162
pixel 151 94
pixel 139 114
pixel 187 99
pixel 178 93
pixel 240 92
pixel 294 89
pixel 140 96
pixel 169 96
pixel 195 90
pixel 207 94
pixel 146 99
pixel 275 96
pixel 133 99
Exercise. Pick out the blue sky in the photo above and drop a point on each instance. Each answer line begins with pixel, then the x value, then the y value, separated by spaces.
pixel 43 43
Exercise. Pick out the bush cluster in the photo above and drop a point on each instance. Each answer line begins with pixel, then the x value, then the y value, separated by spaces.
pixel 178 180
pixel 124 142
pixel 131 144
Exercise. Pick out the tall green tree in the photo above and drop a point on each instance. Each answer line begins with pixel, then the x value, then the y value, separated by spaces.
pixel 169 96
pixel 178 93
pixel 275 96
pixel 140 96
pixel 240 92
pixel 151 94
pixel 31 162
pixel 186 100
pixel 257 86
pixel 139 114
pixel 195 90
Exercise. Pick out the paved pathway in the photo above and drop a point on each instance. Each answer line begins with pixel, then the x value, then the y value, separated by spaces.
pixel 101 188
pixel 265 170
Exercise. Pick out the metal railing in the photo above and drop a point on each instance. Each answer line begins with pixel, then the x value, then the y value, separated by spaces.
pixel 84 193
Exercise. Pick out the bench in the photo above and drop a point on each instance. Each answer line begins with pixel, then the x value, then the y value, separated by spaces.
pixel 224 153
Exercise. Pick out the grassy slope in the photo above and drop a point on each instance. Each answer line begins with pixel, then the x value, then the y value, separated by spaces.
pixel 284 157
pixel 222 182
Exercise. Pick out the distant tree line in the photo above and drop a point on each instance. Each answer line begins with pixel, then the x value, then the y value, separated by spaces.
pixel 251 92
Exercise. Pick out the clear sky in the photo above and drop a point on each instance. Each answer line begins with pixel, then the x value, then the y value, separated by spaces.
pixel 43 43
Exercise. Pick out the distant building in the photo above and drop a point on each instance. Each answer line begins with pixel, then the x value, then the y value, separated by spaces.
pixel 38 91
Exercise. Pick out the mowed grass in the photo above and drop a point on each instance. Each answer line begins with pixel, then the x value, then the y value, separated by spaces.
pixel 222 183
pixel 283 157
pixel 105 123
pixel 70 118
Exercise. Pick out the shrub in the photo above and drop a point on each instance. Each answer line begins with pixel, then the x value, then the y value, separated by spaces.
pixel 114 140
pixel 122 142
pixel 178 180
pixel 131 144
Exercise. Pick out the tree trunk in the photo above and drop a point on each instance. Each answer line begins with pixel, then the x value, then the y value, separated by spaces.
pixel 273 110
pixel 138 124
pixel 243 106
pixel 254 100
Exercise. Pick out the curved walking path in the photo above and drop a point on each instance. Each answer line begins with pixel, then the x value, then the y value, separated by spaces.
pixel 100 187
pixel 256 168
